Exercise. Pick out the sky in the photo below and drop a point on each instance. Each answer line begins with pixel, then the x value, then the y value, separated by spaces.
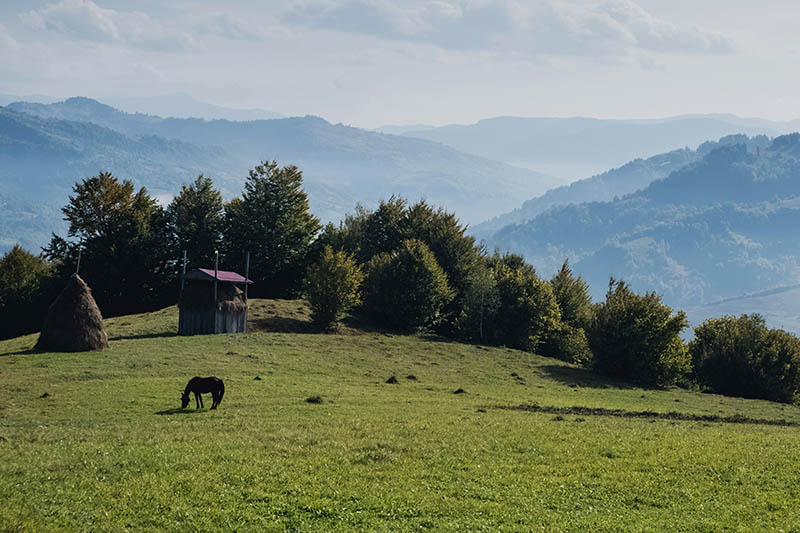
pixel 375 62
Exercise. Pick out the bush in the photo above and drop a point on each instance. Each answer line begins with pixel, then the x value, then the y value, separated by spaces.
pixel 572 295
pixel 568 344
pixel 636 336
pixel 527 313
pixel 406 289
pixel 27 288
pixel 742 357
pixel 332 287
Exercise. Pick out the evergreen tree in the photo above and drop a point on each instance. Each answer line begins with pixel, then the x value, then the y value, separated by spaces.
pixel 272 221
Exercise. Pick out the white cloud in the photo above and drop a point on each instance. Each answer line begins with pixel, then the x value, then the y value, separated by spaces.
pixel 7 43
pixel 88 21
pixel 612 28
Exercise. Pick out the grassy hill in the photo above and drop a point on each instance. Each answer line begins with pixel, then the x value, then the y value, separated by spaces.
pixel 95 441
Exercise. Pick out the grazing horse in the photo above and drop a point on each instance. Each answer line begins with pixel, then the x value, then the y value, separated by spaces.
pixel 199 386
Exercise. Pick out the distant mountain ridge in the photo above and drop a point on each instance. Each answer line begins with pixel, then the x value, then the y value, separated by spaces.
pixel 621 181
pixel 563 146
pixel 45 148
pixel 718 228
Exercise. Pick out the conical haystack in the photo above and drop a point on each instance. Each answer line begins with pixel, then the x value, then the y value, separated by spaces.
pixel 73 322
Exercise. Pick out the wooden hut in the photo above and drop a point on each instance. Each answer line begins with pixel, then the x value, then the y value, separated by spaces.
pixel 212 302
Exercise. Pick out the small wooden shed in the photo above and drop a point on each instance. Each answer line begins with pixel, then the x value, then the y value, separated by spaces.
pixel 212 301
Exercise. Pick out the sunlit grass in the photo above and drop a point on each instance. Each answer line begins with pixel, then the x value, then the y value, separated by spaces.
pixel 107 449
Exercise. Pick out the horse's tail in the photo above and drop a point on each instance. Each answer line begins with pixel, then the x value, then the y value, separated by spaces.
pixel 221 391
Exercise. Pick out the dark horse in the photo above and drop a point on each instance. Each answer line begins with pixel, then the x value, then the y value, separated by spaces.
pixel 200 386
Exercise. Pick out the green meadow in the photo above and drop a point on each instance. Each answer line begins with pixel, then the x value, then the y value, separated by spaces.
pixel 96 441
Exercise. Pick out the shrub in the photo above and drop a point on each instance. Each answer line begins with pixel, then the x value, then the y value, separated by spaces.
pixel 406 289
pixel 572 295
pixel 636 336
pixel 742 357
pixel 526 312
pixel 27 288
pixel 332 287
pixel 568 344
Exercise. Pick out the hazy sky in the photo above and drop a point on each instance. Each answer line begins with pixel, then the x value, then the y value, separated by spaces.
pixel 373 62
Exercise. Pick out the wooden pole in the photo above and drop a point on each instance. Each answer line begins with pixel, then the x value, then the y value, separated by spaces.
pixel 78 266
pixel 183 274
pixel 246 272
pixel 216 269
pixel 246 278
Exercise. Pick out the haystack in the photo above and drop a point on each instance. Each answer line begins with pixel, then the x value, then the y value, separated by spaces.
pixel 73 322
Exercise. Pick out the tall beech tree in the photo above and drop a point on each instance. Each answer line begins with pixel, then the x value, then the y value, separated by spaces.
pixel 196 218
pixel 122 237
pixel 272 221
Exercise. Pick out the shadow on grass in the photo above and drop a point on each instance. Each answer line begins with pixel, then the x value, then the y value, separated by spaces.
pixel 29 351
pixel 179 411
pixel 582 377
pixel 144 336
pixel 652 415
pixel 279 324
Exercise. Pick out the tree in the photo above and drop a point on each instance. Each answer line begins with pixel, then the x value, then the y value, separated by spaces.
pixel 636 336
pixel 126 257
pixel 406 290
pixel 527 313
pixel 26 290
pixel 196 219
pixel 272 221
pixel 572 295
pixel 479 303
pixel 569 343
pixel 742 357
pixel 332 286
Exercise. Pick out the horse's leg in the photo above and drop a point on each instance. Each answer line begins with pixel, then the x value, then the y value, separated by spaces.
pixel 215 396
pixel 198 399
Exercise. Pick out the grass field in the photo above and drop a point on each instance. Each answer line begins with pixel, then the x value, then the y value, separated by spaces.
pixel 96 442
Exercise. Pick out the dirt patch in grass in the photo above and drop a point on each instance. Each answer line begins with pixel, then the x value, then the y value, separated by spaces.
pixel 652 415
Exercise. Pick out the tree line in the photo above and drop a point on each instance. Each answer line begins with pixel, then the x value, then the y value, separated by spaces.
pixel 403 267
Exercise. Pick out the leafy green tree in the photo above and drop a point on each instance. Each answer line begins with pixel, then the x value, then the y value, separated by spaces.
pixel 196 219
pixel 272 221
pixel 527 313
pixel 455 251
pixel 569 343
pixel 479 304
pixel 572 295
pixel 26 290
pixel 332 287
pixel 126 256
pixel 740 356
pixel 406 289
pixel 637 337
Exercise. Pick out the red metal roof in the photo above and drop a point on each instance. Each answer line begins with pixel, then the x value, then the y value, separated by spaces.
pixel 222 275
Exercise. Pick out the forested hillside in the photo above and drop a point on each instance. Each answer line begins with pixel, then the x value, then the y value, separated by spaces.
pixel 718 228
pixel 621 181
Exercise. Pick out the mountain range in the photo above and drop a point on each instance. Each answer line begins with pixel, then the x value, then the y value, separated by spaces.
pixel 573 148
pixel 717 229
pixel 45 148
